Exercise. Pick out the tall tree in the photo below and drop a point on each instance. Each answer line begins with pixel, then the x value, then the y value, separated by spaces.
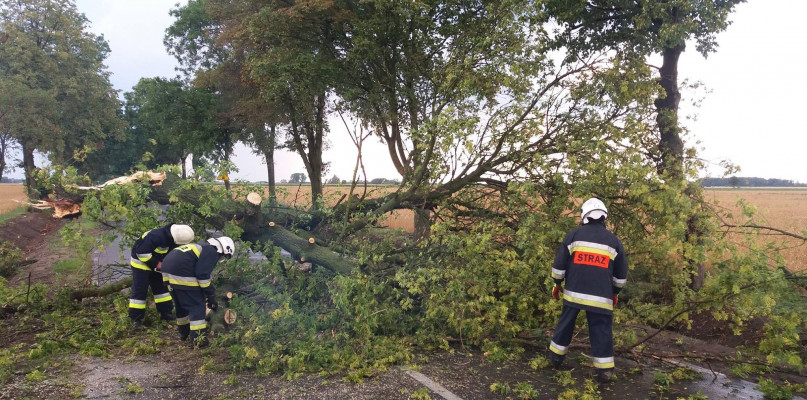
pixel 56 91
pixel 282 71
pixel 180 120
pixel 207 57
pixel 638 29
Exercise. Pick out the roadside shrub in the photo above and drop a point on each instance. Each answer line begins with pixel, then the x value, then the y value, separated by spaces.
pixel 10 259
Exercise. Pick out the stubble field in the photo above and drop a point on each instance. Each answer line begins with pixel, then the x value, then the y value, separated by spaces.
pixel 784 209
pixel 12 196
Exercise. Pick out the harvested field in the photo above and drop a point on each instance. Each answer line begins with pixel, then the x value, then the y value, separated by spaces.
pixel 300 196
pixel 12 195
pixel 784 209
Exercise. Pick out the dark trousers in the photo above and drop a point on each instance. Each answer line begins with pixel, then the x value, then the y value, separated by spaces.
pixel 191 312
pixel 600 335
pixel 141 281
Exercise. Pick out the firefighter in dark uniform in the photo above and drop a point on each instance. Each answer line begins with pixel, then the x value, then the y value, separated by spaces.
pixel 592 261
pixel 147 253
pixel 187 270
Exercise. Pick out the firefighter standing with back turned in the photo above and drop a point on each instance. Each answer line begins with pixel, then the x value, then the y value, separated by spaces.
pixel 187 269
pixel 147 253
pixel 592 261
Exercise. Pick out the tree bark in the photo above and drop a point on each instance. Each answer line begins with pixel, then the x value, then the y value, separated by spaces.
pixel 671 164
pixel 101 291
pixel 269 156
pixel 670 143
pixel 29 167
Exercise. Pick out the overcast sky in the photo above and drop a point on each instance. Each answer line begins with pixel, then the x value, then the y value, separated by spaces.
pixel 752 114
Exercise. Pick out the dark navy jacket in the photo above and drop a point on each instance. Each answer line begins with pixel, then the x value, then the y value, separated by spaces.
pixel 151 248
pixel 188 268
pixel 592 261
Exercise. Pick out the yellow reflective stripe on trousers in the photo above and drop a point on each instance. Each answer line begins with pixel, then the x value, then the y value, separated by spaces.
pixel 135 263
pixel 198 325
pixel 139 304
pixel 588 300
pixel 557 349
pixel 603 362
pixel 184 320
pixel 160 298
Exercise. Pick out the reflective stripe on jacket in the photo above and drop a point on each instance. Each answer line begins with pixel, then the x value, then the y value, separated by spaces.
pixel 151 248
pixel 592 261
pixel 188 267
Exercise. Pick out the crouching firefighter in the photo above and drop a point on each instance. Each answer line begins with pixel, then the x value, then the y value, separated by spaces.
pixel 592 261
pixel 187 269
pixel 147 253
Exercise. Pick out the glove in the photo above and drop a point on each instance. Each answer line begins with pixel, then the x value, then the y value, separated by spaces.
pixel 556 292
pixel 616 298
pixel 212 304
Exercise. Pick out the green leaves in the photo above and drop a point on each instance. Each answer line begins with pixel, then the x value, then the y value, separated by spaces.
pixel 57 97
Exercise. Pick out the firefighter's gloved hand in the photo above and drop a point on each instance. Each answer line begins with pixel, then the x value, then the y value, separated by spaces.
pixel 556 292
pixel 212 304
pixel 616 299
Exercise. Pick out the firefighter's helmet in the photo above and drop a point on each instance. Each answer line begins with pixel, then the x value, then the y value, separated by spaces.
pixel 224 245
pixel 182 234
pixel 593 208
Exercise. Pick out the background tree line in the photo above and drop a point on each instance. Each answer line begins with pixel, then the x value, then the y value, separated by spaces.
pixel 740 181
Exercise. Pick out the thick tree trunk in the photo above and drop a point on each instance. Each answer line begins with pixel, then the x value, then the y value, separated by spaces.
pixel 670 144
pixel 422 223
pixel 316 183
pixel 183 162
pixel 29 167
pixel 671 165
pixel 269 156
pixel 101 291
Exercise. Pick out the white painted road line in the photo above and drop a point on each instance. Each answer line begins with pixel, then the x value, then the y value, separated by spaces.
pixel 432 385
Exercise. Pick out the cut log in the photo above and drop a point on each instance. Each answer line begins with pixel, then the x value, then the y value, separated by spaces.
pixel 230 317
pixel 254 198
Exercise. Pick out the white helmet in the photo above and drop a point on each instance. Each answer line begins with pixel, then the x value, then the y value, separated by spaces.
pixel 224 245
pixel 182 234
pixel 593 208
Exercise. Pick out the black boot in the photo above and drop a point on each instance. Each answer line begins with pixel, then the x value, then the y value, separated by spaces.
pixel 184 331
pixel 603 375
pixel 168 317
pixel 557 360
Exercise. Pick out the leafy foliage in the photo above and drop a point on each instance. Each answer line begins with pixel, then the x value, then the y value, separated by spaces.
pixel 57 97
pixel 496 142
